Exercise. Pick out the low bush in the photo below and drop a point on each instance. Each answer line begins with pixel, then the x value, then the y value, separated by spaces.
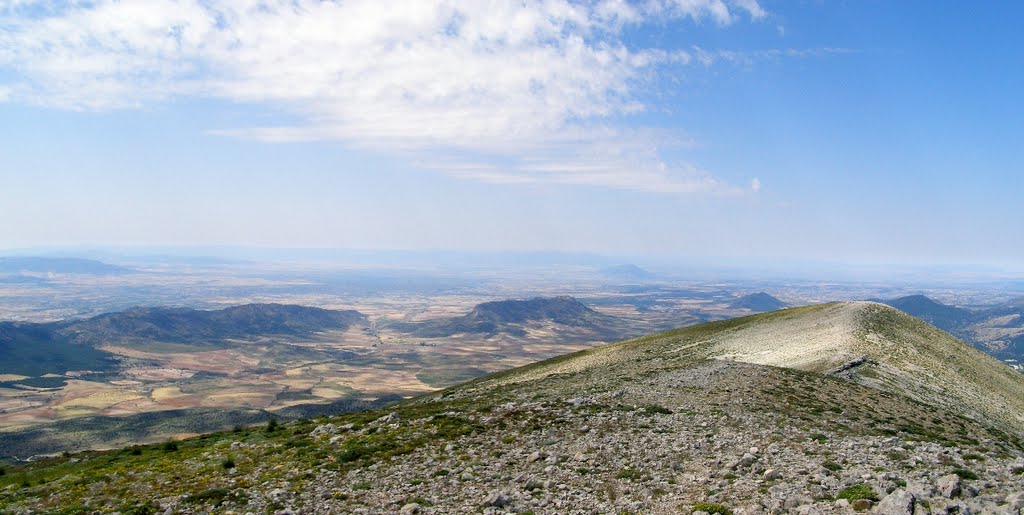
pixel 966 474
pixel 711 507
pixel 856 492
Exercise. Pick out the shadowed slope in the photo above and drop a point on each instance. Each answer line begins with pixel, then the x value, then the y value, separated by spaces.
pixel 513 317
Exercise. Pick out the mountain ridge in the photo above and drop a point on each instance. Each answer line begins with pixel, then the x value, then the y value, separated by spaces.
pixel 758 302
pixel 677 422
pixel 60 265
pixel 35 349
pixel 509 316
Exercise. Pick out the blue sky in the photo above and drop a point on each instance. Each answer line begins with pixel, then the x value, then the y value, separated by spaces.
pixel 838 131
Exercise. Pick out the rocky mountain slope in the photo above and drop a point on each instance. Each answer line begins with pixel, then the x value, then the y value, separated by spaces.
pixel 773 413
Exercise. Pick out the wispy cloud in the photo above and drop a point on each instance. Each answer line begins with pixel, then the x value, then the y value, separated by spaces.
pixel 506 92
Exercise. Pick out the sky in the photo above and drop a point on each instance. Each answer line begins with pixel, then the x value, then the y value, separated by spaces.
pixel 842 131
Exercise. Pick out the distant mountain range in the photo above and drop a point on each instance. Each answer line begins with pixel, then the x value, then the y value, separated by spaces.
pixel 55 265
pixel 513 317
pixel 758 302
pixel 214 328
pixel 36 349
pixel 997 330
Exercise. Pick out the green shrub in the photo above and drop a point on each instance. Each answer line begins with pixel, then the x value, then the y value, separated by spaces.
pixel 140 508
pixel 632 474
pixel 831 465
pixel 711 507
pixel 272 425
pixel 228 463
pixel 654 409
pixel 858 491
pixel 215 496
pixel 966 474
pixel 170 446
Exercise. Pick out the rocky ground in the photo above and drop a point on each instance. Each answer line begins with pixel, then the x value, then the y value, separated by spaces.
pixel 644 427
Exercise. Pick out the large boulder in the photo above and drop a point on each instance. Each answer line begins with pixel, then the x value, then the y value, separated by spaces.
pixel 899 502
pixel 949 486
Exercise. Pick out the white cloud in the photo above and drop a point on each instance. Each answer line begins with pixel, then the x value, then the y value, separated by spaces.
pixel 755 184
pixel 524 86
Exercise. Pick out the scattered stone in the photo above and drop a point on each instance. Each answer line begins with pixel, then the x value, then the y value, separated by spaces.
pixel 497 500
pixel 861 505
pixel 899 502
pixel 1015 500
pixel 324 429
pixel 949 486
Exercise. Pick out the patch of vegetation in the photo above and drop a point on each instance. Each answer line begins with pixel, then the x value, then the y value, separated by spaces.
pixel 272 425
pixel 973 457
pixel 654 409
pixel 857 492
pixel 632 474
pixel 449 426
pixel 140 508
pixel 711 507
pixel 228 463
pixel 966 474
pixel 170 446
pixel 215 496
pixel 831 465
